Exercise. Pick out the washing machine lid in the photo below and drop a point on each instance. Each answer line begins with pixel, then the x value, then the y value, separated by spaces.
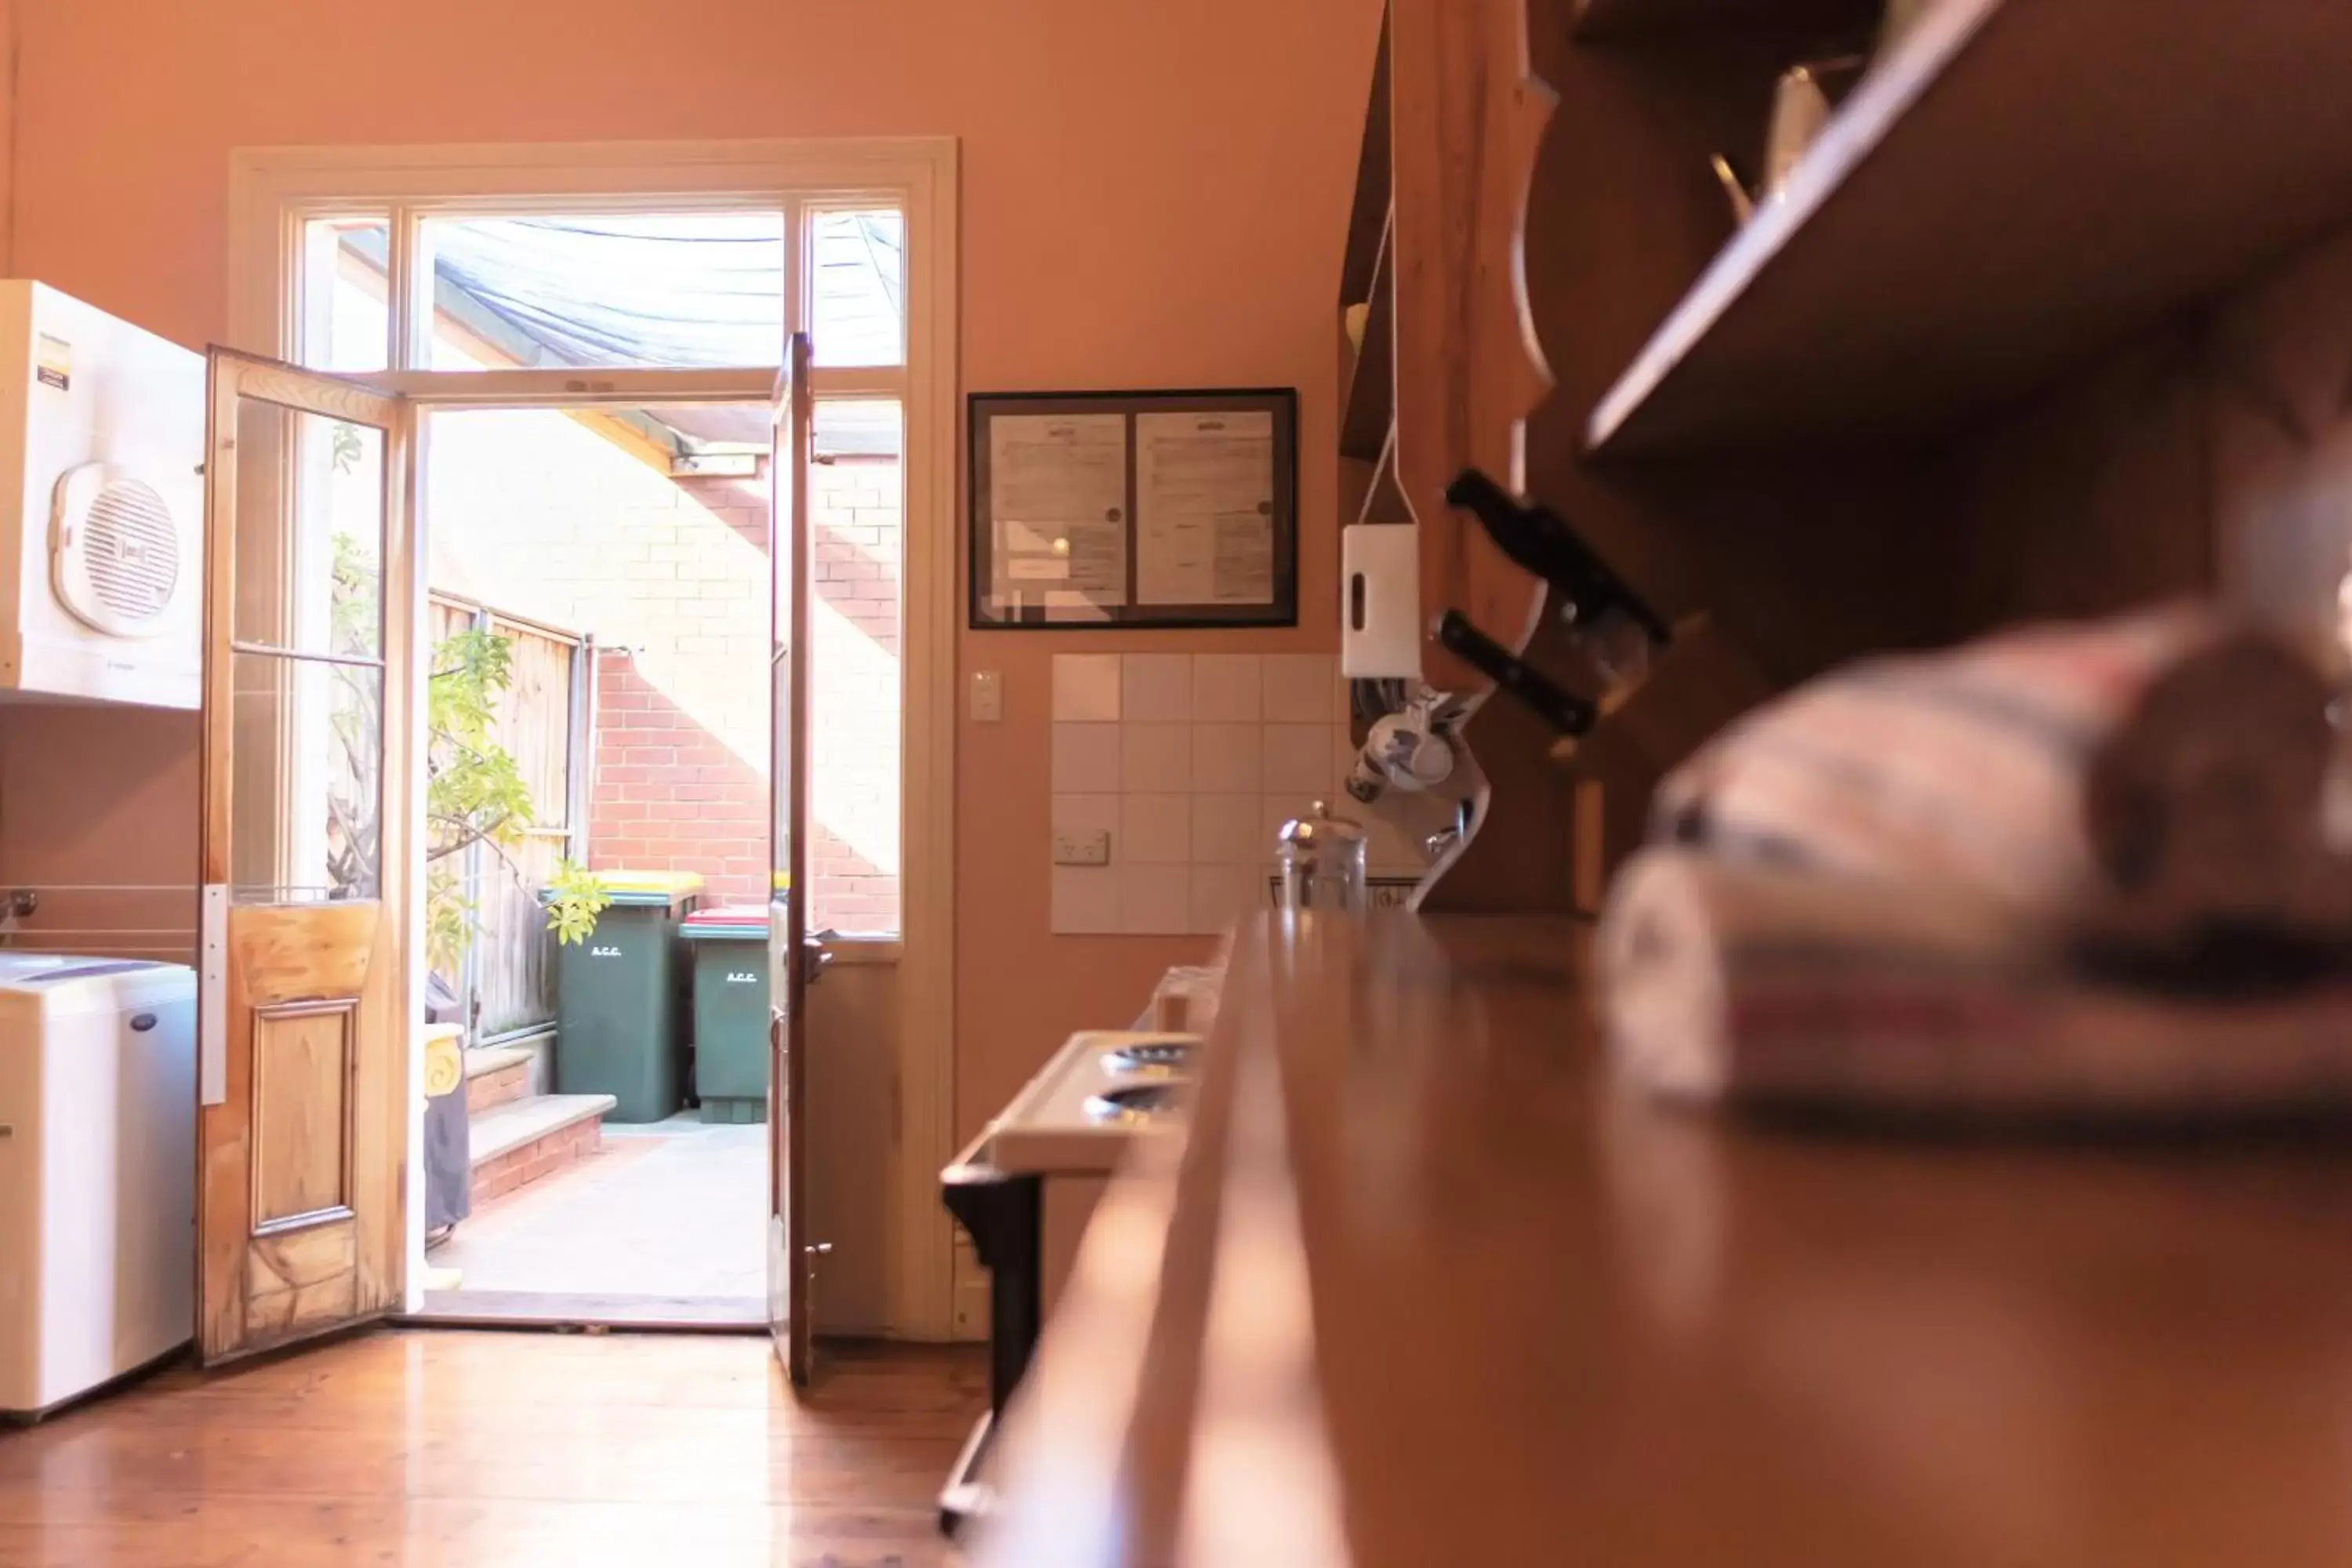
pixel 34 972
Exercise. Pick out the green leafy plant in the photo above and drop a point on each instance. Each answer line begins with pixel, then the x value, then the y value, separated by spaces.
pixel 474 791
pixel 574 899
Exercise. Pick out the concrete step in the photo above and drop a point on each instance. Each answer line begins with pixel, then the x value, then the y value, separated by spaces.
pixel 485 1059
pixel 495 1076
pixel 528 1139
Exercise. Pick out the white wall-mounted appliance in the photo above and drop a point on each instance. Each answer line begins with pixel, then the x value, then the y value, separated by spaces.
pixel 101 506
pixel 97 1139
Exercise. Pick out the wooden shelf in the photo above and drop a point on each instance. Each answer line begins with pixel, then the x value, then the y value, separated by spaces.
pixel 1371 408
pixel 1368 217
pixel 1601 19
pixel 2017 187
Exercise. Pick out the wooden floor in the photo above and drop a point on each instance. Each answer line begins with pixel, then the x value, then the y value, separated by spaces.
pixel 449 1449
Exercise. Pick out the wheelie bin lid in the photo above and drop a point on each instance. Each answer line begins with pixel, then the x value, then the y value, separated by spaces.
pixel 642 888
pixel 736 923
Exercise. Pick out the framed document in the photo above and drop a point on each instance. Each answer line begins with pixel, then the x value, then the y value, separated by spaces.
pixel 1135 509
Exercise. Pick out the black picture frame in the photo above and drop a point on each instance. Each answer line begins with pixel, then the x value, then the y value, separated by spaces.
pixel 1281 402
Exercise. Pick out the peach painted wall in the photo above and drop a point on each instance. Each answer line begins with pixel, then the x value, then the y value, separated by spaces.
pixel 1153 195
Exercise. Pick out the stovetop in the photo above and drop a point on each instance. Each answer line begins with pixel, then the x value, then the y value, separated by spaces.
pixel 1102 1088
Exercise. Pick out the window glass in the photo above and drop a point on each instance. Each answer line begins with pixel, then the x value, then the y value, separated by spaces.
pixel 680 290
pixel 305 780
pixel 647 529
pixel 856 508
pixel 345 325
pixel 857 288
pixel 309 532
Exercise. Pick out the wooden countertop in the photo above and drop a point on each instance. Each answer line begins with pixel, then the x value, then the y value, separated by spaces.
pixel 1419 1287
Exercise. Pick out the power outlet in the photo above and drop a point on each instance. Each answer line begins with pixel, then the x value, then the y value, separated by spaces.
pixel 987 696
pixel 1082 846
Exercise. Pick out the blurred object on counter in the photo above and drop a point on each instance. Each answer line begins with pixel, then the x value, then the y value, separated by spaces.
pixel 1770 984
pixel 2153 782
pixel 1185 1000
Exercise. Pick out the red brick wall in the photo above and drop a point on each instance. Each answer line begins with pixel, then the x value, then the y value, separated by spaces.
pixel 854 503
pixel 671 796
pixel 567 521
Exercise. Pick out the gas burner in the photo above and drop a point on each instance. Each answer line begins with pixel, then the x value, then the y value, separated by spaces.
pixel 1149 1059
pixel 1134 1104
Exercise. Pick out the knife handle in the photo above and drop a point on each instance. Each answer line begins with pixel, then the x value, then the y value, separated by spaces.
pixel 1561 709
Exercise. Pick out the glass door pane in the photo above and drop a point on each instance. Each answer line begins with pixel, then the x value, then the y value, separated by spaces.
pixel 855 678
pixel 306 659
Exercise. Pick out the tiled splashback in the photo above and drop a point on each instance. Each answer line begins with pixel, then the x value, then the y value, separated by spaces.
pixel 1191 763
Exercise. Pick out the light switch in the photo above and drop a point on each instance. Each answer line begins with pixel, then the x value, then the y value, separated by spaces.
pixel 987 696
pixel 1081 847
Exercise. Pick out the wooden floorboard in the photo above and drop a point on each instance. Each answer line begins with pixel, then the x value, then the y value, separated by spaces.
pixel 683 1314
pixel 457 1450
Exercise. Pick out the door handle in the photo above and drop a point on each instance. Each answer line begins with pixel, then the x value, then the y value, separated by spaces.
pixel 814 957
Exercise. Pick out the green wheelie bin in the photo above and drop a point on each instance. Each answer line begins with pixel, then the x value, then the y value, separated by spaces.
pixel 729 945
pixel 618 995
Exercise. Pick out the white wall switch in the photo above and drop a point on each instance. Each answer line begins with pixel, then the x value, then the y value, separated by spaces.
pixel 987 696
pixel 1081 847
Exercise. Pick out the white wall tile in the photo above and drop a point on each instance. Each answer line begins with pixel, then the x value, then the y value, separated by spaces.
pixel 1086 900
pixel 1155 900
pixel 1155 829
pixel 1088 814
pixel 1157 688
pixel 1086 687
pixel 1225 831
pixel 1085 758
pixel 1226 758
pixel 1298 688
pixel 1155 759
pixel 1223 894
pixel 1298 759
pixel 1227 688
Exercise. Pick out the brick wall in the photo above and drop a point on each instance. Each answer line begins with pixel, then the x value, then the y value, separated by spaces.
pixel 670 796
pixel 855 693
pixel 549 516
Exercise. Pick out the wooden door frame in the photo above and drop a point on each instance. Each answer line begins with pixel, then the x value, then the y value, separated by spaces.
pixel 791 565
pixel 273 190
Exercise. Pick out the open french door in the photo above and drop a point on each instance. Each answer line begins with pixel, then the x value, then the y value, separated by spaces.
pixel 794 958
pixel 309 596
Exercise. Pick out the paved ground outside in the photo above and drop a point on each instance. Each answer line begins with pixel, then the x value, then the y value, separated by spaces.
pixel 678 1208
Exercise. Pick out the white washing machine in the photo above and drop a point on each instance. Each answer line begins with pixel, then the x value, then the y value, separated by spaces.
pixel 98 1154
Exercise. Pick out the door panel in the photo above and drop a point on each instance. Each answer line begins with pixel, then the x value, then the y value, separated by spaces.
pixel 789 960
pixel 308 598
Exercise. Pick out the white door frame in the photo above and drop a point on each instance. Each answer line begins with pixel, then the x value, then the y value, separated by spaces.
pixel 273 191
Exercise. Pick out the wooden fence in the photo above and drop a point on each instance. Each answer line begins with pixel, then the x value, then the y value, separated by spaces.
pixel 507 981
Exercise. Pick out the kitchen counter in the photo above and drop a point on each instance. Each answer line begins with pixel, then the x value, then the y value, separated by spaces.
pixel 1419 1286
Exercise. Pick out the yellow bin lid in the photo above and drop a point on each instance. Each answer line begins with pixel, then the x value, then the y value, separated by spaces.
pixel 650 887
